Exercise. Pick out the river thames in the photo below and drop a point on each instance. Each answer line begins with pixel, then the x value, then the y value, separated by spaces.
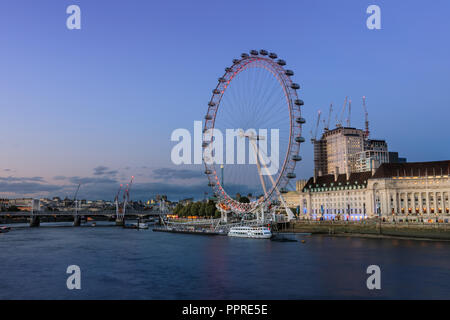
pixel 121 263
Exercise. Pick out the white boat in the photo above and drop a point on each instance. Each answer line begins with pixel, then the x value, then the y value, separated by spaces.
pixel 142 225
pixel 250 232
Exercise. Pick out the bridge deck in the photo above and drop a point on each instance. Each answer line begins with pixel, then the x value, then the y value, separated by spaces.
pixel 79 213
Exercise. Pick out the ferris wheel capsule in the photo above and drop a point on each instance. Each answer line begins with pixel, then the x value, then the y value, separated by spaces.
pixel 291 175
pixel 295 86
pixel 254 52
pixel 273 55
pixel 281 62
pixel 300 120
pixel 289 73
pixel 263 52
pixel 300 139
pixel 244 55
pixel 299 102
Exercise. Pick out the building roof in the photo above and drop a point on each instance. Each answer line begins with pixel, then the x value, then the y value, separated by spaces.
pixel 386 170
pixel 413 169
pixel 327 181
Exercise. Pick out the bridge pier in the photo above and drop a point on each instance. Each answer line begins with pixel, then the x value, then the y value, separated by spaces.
pixel 120 222
pixel 35 221
pixel 76 221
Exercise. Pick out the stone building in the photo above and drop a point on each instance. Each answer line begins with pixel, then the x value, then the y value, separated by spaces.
pixel 419 189
pixel 346 149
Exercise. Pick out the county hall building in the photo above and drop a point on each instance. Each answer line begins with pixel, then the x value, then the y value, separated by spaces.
pixel 417 189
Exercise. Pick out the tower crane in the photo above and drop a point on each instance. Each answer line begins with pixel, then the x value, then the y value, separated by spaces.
pixel 327 127
pixel 366 115
pixel 339 119
pixel 314 136
pixel 349 112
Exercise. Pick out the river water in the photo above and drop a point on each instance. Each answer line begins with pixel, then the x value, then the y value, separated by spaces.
pixel 121 263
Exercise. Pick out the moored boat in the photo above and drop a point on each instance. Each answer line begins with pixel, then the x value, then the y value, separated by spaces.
pixel 142 225
pixel 250 232
pixel 4 229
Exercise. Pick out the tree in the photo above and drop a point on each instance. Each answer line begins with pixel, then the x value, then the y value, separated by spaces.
pixel 202 211
pixel 186 210
pixel 178 209
pixel 244 200
pixel 195 209
pixel 210 208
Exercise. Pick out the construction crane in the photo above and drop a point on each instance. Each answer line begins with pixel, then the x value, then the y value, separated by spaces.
pixel 327 126
pixel 366 116
pixel 349 112
pixel 314 135
pixel 339 119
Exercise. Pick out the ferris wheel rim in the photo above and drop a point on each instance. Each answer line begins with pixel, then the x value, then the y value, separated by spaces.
pixel 276 67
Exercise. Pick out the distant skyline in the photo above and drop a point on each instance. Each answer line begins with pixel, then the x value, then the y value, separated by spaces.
pixel 98 105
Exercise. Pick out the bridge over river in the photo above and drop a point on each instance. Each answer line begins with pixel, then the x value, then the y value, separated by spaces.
pixel 34 217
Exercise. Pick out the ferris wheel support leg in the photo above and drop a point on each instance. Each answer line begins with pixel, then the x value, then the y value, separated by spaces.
pixel 258 164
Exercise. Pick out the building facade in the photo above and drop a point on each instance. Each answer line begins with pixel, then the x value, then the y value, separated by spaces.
pixel 345 149
pixel 338 149
pixel 418 190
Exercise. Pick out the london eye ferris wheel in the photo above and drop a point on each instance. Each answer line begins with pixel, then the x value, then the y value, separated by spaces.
pixel 253 131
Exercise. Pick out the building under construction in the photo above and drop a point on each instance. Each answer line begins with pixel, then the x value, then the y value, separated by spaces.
pixel 346 149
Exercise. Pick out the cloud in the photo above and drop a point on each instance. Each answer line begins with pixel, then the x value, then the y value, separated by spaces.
pixel 102 170
pixel 21 179
pixel 181 191
pixel 181 174
pixel 105 187
pixel 86 180
pixel 28 188
pixel 92 180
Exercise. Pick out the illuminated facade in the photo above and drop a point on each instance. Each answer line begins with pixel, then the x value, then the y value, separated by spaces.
pixel 344 149
pixel 338 150
pixel 418 190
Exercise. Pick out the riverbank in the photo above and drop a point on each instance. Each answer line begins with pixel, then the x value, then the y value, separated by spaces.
pixel 372 229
